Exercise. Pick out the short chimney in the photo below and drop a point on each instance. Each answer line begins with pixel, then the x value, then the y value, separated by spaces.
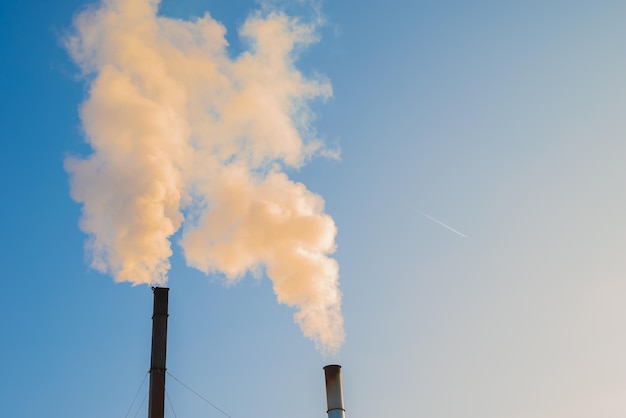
pixel 334 392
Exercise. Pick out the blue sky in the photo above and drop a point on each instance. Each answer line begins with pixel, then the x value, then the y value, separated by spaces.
pixel 504 121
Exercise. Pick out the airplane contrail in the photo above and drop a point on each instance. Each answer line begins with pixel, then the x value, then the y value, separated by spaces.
pixel 442 224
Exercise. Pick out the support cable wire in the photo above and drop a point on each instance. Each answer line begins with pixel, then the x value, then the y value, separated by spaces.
pixel 169 401
pixel 140 405
pixel 199 396
pixel 136 394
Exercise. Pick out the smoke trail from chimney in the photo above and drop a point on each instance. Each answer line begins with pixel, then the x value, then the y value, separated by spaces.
pixel 184 136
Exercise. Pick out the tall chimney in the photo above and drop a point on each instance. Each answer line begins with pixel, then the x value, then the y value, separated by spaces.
pixel 156 404
pixel 334 393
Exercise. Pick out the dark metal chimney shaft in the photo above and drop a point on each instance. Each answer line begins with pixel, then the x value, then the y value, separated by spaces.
pixel 156 404
pixel 334 392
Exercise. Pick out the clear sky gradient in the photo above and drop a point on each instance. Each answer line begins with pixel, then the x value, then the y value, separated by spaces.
pixel 503 120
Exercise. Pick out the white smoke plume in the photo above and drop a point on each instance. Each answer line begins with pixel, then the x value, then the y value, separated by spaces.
pixel 186 136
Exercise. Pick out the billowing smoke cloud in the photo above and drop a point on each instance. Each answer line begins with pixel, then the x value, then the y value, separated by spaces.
pixel 185 136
